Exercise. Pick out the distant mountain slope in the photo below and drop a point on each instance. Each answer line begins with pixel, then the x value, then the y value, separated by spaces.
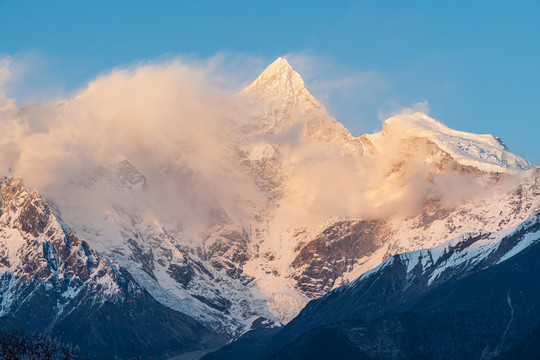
pixel 475 297
pixel 53 282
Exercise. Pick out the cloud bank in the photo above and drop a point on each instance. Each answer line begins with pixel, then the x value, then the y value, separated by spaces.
pixel 180 125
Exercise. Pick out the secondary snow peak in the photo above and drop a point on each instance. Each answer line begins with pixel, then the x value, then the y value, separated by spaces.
pixel 482 151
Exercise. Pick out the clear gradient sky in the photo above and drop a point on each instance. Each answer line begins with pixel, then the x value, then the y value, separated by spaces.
pixel 476 63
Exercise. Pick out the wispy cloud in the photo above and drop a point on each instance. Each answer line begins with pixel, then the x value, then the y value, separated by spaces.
pixel 4 70
pixel 350 95
pixel 394 108
pixel 27 77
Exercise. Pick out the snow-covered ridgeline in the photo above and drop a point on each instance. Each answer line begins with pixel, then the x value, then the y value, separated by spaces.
pixel 38 249
pixel 464 253
pixel 484 152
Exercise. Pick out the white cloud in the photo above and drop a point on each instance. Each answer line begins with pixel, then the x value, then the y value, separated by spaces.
pixel 176 123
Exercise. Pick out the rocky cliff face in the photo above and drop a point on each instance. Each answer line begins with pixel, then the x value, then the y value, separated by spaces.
pixel 335 252
pixel 52 281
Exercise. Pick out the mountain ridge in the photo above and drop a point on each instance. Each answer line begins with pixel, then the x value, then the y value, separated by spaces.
pixel 418 305
pixel 485 152
pixel 284 205
pixel 53 282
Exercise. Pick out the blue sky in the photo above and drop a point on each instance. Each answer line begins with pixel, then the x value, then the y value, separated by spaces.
pixel 475 63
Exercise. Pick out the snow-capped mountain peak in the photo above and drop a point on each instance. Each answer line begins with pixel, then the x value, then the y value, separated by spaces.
pixel 279 82
pixel 282 104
